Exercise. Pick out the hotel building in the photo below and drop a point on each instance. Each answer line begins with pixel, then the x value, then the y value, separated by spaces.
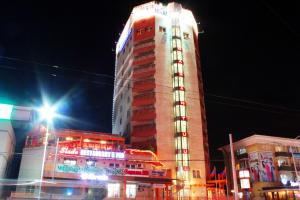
pixel 271 163
pixel 158 101
pixel 89 165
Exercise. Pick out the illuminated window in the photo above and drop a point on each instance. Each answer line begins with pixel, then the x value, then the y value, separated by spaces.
pixel 179 95
pixel 184 143
pixel 139 31
pixel 180 110
pixel 279 149
pixel 241 151
pixel 162 29
pixel 282 162
pixel 185 160
pixel 194 174
pixel 70 162
pixel 198 174
pixel 176 31
pixel 186 36
pixel 148 28
pixel 130 191
pixel 113 190
pixel 178 81
pixel 139 166
pixel 178 143
pixel 91 163
pixel 177 55
pixel 176 43
pixel 177 68
pixel 181 126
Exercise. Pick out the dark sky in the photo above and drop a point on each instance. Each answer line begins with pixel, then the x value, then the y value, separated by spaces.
pixel 249 53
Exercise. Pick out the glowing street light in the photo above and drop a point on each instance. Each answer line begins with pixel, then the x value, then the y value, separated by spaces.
pixel 47 113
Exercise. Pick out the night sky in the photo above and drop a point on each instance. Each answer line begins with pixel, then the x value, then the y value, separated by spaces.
pixel 249 54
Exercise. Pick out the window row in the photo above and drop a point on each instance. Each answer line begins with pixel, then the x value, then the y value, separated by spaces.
pixel 180 110
pixel 177 68
pixel 140 31
pixel 180 126
pixel 177 55
pixel 182 160
pixel 178 81
pixel 176 42
pixel 179 95
pixel 113 190
pixel 196 174
pixel 181 143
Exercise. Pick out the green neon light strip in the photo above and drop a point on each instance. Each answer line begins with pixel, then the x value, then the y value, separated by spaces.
pixel 5 111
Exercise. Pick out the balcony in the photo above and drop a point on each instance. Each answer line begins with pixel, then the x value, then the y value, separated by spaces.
pixel 144 99
pixel 145 60
pixel 143 49
pixel 146 73
pixel 283 154
pixel 149 144
pixel 143 130
pixel 286 168
pixel 140 86
pixel 143 115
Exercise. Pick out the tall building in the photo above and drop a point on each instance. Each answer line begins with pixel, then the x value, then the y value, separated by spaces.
pixel 272 164
pixel 158 101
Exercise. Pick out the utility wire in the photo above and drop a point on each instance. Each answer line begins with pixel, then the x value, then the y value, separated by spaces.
pixel 270 107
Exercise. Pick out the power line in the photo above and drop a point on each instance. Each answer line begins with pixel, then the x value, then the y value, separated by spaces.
pixel 270 107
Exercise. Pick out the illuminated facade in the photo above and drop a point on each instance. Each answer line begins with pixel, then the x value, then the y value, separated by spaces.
pixel 87 165
pixel 158 101
pixel 270 163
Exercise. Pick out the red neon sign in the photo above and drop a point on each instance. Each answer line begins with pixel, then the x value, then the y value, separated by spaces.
pixel 69 151
pixel 136 172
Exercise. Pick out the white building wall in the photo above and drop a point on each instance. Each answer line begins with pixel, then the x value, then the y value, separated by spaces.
pixel 7 145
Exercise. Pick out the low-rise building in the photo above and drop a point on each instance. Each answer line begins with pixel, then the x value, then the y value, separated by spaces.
pixel 88 165
pixel 271 163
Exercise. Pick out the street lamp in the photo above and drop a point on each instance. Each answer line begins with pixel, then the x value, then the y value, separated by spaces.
pixel 47 113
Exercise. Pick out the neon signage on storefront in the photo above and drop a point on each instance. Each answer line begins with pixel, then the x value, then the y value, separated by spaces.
pixel 69 151
pixel 102 154
pixel 92 176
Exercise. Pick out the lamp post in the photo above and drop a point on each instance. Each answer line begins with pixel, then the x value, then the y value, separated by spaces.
pixel 295 167
pixel 47 113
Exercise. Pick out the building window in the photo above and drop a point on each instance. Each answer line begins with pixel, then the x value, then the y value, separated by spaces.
pixel 186 35
pixel 282 162
pixel 113 190
pixel 198 174
pixel 139 31
pixel 70 162
pixel 194 174
pixel 130 191
pixel 241 151
pixel 162 29
pixel 279 149
pixel 120 121
pixel 91 163
pixel 114 165
pixel 148 28
pixel 128 113
pixel 128 99
pixel 139 166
